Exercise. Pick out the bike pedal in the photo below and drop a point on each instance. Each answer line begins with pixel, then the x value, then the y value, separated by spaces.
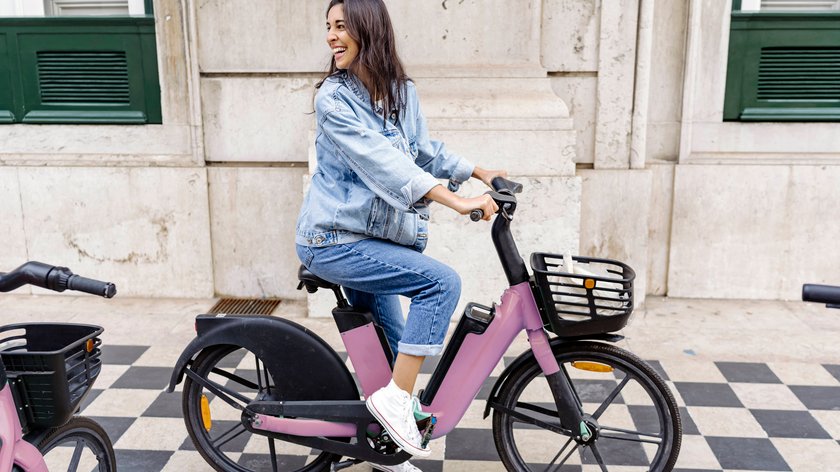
pixel 427 433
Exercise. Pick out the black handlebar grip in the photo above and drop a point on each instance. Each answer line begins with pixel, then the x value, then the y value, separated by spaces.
pixel 477 215
pixel 501 183
pixel 828 294
pixel 93 287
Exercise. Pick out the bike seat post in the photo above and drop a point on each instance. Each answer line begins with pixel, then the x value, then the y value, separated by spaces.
pixel 339 298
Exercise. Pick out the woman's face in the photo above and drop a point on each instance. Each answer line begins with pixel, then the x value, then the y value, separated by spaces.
pixel 344 48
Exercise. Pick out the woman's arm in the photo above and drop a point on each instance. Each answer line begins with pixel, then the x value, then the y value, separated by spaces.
pixel 487 176
pixel 463 205
pixel 382 168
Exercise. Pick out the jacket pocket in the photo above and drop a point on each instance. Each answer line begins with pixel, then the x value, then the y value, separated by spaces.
pixel 379 219
pixel 386 222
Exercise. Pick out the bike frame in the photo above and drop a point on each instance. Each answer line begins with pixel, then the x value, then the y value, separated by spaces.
pixel 13 449
pixel 468 360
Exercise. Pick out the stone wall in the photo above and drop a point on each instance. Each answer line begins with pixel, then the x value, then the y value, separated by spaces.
pixel 621 146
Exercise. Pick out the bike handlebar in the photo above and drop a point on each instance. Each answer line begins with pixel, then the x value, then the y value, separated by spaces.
pixel 500 185
pixel 53 278
pixel 828 294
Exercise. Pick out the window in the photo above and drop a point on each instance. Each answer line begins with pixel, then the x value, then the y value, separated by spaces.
pixel 784 61
pixel 78 61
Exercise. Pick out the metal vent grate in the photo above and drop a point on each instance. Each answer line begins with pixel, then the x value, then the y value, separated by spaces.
pixel 245 306
pixel 799 74
pixel 83 77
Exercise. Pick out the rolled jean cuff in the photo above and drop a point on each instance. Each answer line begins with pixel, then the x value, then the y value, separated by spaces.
pixel 420 349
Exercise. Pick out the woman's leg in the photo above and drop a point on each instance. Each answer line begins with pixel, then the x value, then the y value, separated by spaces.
pixel 382 267
pixel 406 369
pixel 386 268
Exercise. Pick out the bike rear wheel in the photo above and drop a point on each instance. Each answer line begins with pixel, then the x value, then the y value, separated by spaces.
pixel 223 441
pixel 79 445
pixel 638 425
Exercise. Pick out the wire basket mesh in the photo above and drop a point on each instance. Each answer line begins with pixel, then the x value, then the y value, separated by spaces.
pixel 583 295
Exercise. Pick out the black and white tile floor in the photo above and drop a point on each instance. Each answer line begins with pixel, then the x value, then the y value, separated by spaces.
pixel 760 400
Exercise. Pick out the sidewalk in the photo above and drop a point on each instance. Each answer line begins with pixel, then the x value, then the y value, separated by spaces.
pixel 759 381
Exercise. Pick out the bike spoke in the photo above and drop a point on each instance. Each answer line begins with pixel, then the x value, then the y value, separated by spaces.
pixel 608 401
pixel 77 456
pixel 621 430
pixel 220 391
pixel 273 454
pixel 236 378
pixel 259 374
pixel 523 418
pixel 266 377
pixel 620 437
pixel 551 465
pixel 537 409
pixel 218 443
pixel 598 457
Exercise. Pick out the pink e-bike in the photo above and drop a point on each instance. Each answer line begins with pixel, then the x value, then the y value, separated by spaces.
pixel 264 393
pixel 47 370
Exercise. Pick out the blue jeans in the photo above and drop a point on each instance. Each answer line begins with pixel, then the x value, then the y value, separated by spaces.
pixel 374 272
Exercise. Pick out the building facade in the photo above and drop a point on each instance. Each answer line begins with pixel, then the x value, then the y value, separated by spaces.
pixel 617 115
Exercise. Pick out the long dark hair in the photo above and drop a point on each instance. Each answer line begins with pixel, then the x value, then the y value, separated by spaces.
pixel 368 22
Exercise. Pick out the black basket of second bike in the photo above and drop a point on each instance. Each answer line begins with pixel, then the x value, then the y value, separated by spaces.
pixel 583 295
pixel 51 368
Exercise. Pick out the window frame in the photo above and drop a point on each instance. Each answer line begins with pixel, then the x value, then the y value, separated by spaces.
pixel 753 31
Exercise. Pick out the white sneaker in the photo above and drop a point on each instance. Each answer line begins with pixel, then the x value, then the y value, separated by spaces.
pixel 394 408
pixel 404 467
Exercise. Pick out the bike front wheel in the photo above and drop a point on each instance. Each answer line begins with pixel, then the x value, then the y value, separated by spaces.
pixel 79 445
pixel 634 414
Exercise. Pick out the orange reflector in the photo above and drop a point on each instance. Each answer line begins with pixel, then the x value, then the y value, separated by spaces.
pixel 205 413
pixel 89 345
pixel 591 366
pixel 589 283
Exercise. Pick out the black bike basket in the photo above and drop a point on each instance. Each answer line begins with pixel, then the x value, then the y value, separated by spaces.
pixel 51 368
pixel 594 297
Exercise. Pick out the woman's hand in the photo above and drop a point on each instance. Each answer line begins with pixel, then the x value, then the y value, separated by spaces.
pixel 484 203
pixel 487 175
pixel 463 205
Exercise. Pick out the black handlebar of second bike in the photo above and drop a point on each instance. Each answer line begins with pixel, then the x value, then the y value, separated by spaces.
pixel 53 278
pixel 501 185
pixel 828 294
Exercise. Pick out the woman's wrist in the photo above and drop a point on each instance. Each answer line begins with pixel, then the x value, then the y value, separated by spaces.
pixel 479 173
pixel 445 197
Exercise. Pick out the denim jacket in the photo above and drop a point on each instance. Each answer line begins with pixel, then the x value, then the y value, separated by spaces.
pixel 371 177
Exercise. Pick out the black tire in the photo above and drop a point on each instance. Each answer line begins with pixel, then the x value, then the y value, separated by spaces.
pixel 90 442
pixel 643 408
pixel 222 446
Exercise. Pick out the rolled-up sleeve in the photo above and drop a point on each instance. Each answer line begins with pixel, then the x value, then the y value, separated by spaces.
pixel 384 170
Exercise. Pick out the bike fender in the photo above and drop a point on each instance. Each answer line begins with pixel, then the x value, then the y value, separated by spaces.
pixel 303 366
pixel 528 357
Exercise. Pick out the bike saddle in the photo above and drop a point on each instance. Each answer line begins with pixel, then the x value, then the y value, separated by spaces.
pixel 312 282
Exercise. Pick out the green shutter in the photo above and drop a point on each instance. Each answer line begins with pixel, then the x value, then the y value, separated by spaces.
pixel 6 96
pixel 84 69
pixel 783 67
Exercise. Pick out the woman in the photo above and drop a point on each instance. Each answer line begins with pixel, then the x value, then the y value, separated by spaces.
pixel 363 223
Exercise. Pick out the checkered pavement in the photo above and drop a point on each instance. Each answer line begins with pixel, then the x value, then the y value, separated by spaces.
pixel 776 416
